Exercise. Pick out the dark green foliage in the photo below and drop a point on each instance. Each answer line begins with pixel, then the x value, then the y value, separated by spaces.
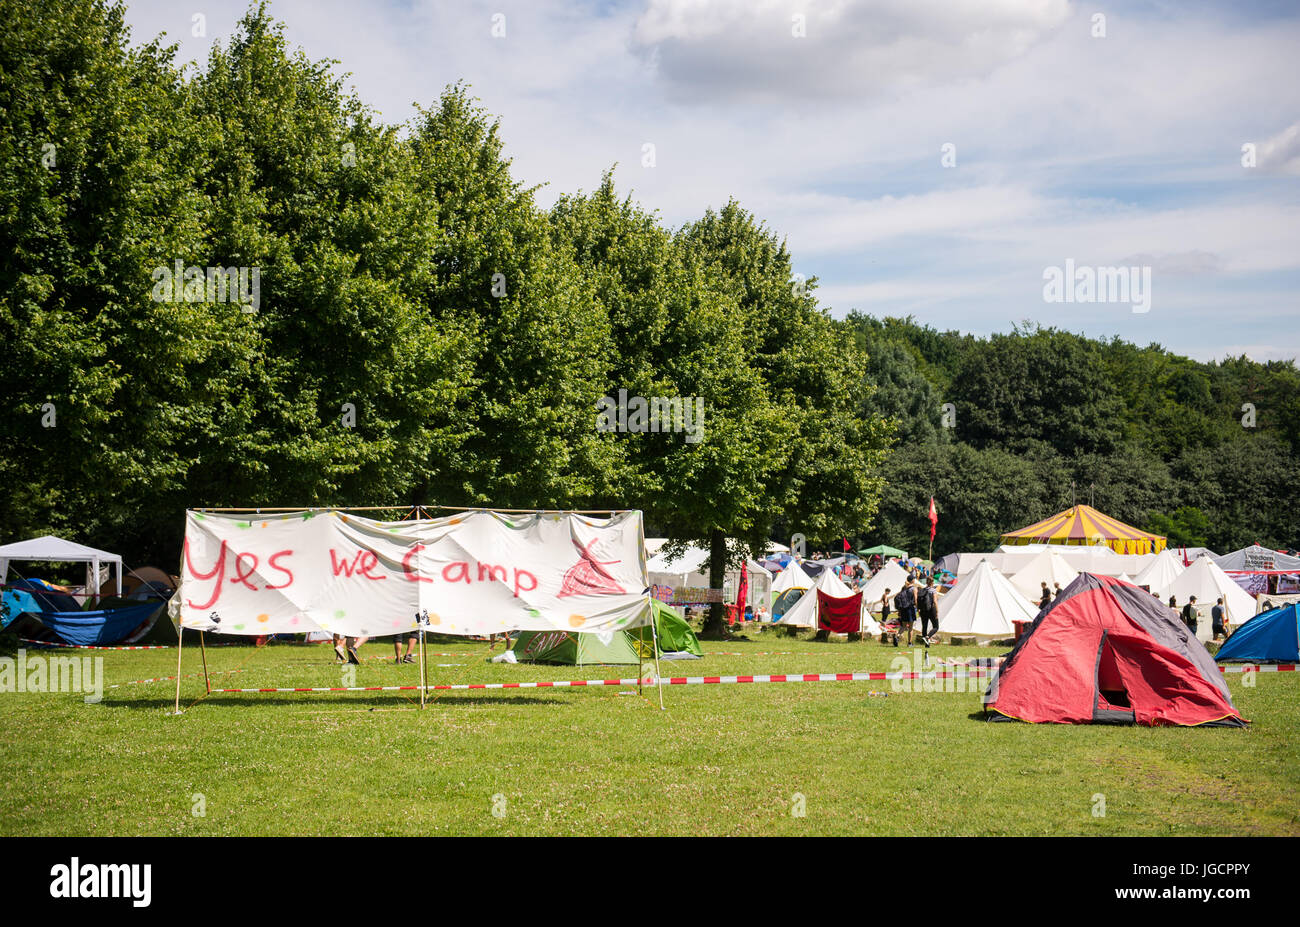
pixel 1045 418
pixel 425 332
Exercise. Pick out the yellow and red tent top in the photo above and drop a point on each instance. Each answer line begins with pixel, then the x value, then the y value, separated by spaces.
pixel 1082 524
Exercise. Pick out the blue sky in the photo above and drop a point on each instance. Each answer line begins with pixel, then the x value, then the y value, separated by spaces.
pixel 1115 150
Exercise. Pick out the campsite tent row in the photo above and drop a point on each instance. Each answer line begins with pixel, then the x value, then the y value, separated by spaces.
pixel 1009 560
pixel 988 603
pixel 805 612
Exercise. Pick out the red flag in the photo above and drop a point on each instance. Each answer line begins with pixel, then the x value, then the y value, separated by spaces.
pixel 743 593
pixel 846 545
pixel 934 519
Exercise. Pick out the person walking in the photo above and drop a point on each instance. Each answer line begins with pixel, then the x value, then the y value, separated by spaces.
pixel 1216 620
pixel 905 602
pixel 884 613
pixel 1189 615
pixel 352 643
pixel 410 647
pixel 928 607
pixel 1045 598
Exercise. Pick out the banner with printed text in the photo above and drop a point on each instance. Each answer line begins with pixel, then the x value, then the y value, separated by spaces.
pixel 474 573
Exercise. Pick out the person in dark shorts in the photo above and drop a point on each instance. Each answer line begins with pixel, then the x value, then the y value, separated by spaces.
pixel 1045 599
pixel 884 612
pixel 1216 620
pixel 928 608
pixel 905 601
pixel 410 647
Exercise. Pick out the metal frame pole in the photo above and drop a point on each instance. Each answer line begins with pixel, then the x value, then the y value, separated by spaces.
pixel 203 649
pixel 424 662
pixel 654 635
pixel 180 644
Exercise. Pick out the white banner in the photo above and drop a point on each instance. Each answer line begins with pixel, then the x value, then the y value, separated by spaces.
pixel 475 573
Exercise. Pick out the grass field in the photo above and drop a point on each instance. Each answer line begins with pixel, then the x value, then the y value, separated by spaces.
pixel 723 759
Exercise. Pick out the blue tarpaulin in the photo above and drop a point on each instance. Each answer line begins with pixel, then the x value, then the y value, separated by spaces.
pixel 98 627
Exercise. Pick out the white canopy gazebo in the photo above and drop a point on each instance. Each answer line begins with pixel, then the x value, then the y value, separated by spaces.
pixel 50 549
pixel 688 569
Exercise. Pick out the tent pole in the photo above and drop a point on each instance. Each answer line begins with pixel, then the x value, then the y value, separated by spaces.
pixel 203 649
pixel 180 644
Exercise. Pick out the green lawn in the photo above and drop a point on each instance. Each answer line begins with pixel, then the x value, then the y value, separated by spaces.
pixel 723 759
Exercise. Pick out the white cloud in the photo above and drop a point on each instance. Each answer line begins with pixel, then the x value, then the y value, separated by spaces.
pixel 773 50
pixel 1281 153
pixel 1067 146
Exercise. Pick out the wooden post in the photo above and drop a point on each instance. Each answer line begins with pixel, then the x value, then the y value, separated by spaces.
pixel 203 649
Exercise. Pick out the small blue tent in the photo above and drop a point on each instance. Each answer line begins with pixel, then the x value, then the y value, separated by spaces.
pixel 1270 637
pixel 14 602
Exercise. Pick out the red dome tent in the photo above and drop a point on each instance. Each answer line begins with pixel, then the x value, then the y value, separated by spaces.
pixel 1108 652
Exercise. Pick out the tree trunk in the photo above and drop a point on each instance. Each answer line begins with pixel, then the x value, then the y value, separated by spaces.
pixel 715 626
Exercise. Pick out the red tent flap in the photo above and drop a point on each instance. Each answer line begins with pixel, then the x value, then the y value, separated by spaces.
pixel 841 616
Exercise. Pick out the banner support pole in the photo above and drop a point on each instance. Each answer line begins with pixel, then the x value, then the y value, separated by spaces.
pixel 654 637
pixel 203 649
pixel 424 663
pixel 180 644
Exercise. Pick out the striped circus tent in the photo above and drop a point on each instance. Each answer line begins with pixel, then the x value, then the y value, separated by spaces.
pixel 1082 524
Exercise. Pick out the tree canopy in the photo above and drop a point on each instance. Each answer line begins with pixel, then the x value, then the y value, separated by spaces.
pixel 231 284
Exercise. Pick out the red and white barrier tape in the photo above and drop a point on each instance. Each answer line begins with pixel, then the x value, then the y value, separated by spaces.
pixel 137 682
pixel 650 681
pixel 1259 668
pixel 697 680
pixel 57 646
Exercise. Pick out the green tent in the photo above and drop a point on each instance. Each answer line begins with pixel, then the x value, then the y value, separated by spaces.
pixel 675 635
pixel 884 550
pixel 573 648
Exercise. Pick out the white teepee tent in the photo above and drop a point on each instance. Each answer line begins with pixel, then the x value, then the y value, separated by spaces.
pixel 1206 580
pixel 1161 572
pixel 792 577
pixel 891 577
pixel 803 613
pixel 984 603
pixel 1047 567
